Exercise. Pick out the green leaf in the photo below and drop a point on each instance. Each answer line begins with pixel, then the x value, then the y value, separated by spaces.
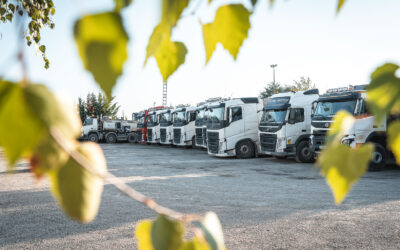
pixel 9 17
pixel 384 90
pixel 143 235
pixel 343 172
pixel 195 244
pixel 254 2
pixel 102 44
pixel 11 7
pixel 394 139
pixel 39 110
pixel 120 4
pixel 340 5
pixel 229 28
pixel 212 230
pixel 77 190
pixel 42 48
pixel 169 56
pixel 166 234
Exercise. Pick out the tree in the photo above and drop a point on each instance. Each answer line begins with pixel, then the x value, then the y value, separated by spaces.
pixel 273 88
pixel 303 84
pixel 98 106
pixel 81 109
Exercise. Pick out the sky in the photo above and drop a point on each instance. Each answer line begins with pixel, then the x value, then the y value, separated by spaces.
pixel 304 38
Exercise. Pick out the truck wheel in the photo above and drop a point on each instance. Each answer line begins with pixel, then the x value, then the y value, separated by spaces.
pixel 303 152
pixel 93 137
pixel 378 160
pixel 132 138
pixel 111 138
pixel 245 150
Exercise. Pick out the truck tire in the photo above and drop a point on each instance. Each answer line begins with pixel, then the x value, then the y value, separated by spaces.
pixel 378 158
pixel 93 137
pixel 245 150
pixel 132 138
pixel 303 152
pixel 111 138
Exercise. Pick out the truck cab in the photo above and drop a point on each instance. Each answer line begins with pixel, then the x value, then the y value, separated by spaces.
pixel 183 119
pixel 166 127
pixel 142 126
pixel 232 127
pixel 365 129
pixel 285 126
pixel 153 126
pixel 201 125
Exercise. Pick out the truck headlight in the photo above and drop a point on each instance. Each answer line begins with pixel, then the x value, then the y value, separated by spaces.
pixel 347 141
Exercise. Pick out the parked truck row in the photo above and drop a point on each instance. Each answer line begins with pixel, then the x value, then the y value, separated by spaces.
pixel 291 124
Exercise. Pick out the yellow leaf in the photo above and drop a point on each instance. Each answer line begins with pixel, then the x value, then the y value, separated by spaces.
pixel 343 166
pixel 169 56
pixel 143 235
pixel 167 234
pixel 341 126
pixel 394 139
pixel 384 91
pixel 230 28
pixel 102 44
pixel 172 10
pixel 212 230
pixel 340 5
pixel 195 244
pixel 77 190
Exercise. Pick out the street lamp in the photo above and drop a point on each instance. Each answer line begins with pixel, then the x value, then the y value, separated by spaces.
pixel 273 70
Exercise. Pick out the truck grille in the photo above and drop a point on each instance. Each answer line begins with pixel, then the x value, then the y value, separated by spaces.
pixel 177 135
pixel 163 134
pixel 205 136
pixel 268 142
pixel 199 136
pixel 319 137
pixel 139 133
pixel 213 142
pixel 149 134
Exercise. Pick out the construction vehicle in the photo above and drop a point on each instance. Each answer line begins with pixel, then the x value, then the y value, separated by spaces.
pixel 111 131
pixel 166 126
pixel 183 118
pixel 285 126
pixel 232 127
pixel 153 124
pixel 365 129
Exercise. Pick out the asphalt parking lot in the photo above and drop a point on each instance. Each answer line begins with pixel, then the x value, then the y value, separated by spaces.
pixel 263 203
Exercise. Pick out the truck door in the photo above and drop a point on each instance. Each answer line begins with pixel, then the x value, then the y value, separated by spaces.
pixel 296 125
pixel 235 129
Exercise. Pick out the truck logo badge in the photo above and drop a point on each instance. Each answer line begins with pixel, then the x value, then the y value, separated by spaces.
pixel 326 125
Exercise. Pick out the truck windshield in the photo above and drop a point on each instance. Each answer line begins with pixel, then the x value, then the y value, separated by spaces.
pixel 88 122
pixel 330 108
pixel 216 114
pixel 277 116
pixel 200 117
pixel 165 117
pixel 179 117
pixel 152 118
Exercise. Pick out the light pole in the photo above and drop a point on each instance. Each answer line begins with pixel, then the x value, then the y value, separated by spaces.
pixel 273 71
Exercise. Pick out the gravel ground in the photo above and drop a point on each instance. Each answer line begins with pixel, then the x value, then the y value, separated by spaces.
pixel 262 203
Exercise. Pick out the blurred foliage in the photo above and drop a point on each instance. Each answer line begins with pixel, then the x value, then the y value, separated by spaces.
pixel 39 15
pixel 272 88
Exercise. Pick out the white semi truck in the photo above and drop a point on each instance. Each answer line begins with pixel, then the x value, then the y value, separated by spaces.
pixel 166 126
pixel 111 131
pixel 183 118
pixel 365 129
pixel 153 126
pixel 201 125
pixel 285 125
pixel 232 127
